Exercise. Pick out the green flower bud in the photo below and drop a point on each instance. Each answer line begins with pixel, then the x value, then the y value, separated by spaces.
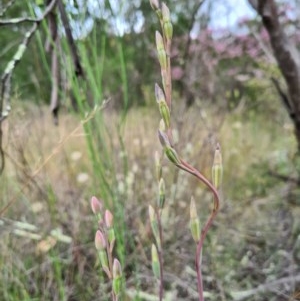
pixel 111 238
pixel 104 261
pixel 159 41
pixel 117 277
pixel 162 193
pixel 155 262
pixel 154 226
pixel 162 58
pixel 165 113
pixel 158 167
pixel 217 168
pixel 168 30
pixel 172 155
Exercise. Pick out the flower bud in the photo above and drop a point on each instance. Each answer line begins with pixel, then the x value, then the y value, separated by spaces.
pixel 161 52
pixel 168 30
pixel 162 104
pixel 167 25
pixel 109 218
pixel 165 113
pixel 172 155
pixel 111 238
pixel 154 226
pixel 162 193
pixel 117 270
pixel 217 168
pixel 159 41
pixel 117 277
pixel 194 221
pixel 96 205
pixel 158 167
pixel 162 126
pixel 154 4
pixel 159 94
pixel 155 262
pixel 100 241
pixel 165 13
pixel 164 139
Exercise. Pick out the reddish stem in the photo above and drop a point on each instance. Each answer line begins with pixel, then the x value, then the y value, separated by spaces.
pixel 190 169
pixel 160 258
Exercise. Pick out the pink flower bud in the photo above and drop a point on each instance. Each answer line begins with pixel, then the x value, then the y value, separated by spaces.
pixel 117 270
pixel 100 241
pixel 108 219
pixel 96 205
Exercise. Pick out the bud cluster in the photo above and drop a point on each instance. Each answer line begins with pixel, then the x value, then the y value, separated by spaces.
pixel 105 241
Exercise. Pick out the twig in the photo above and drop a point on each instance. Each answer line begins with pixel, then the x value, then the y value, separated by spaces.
pixel 241 295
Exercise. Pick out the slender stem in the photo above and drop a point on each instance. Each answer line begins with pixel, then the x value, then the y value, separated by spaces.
pixel 109 255
pixel 199 273
pixel 190 169
pixel 169 79
pixel 160 258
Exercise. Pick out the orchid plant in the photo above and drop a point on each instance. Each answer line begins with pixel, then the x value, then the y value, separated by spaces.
pixel 164 100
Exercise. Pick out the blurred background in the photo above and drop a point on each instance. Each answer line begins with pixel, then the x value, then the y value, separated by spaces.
pixel 81 120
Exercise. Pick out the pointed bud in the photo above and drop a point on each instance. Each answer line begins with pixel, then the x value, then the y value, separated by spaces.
pixel 117 270
pixel 163 107
pixel 172 155
pixel 117 277
pixel 96 205
pixel 167 25
pixel 111 238
pixel 154 4
pixel 154 226
pixel 165 12
pixel 109 218
pixel 104 262
pixel 159 94
pixel 165 113
pixel 158 167
pixel 217 168
pixel 159 41
pixel 161 52
pixel 152 216
pixel 162 126
pixel 164 139
pixel 155 262
pixel 194 221
pixel 162 193
pixel 168 30
pixel 169 151
pixel 100 241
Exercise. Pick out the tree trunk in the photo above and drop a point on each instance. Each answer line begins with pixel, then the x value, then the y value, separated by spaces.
pixel 287 56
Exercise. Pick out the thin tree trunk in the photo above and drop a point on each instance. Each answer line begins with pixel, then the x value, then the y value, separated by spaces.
pixel 287 56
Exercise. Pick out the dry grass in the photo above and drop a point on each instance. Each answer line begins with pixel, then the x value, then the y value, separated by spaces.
pixel 48 181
